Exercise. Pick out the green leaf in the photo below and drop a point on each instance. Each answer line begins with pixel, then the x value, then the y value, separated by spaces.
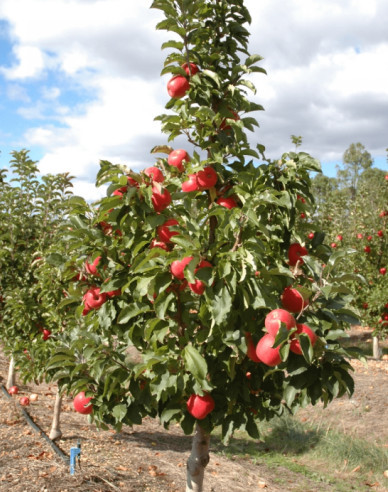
pixel 132 311
pixel 119 412
pixel 194 362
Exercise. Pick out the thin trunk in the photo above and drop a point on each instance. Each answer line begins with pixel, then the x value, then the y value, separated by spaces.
pixel 376 349
pixel 198 460
pixel 11 373
pixel 55 432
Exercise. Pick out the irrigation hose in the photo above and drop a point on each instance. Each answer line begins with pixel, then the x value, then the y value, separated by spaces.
pixel 37 429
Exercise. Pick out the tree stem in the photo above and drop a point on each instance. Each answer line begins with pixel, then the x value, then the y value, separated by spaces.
pixel 198 460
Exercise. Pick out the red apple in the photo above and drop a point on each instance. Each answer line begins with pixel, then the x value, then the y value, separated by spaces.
pixel 302 215
pixel 369 238
pixel 274 319
pixel 81 404
pixel 24 401
pixel 192 67
pixel 154 173
pixel 367 249
pixel 160 198
pixel 380 233
pixel 158 244
pixel 295 343
pixel 177 267
pixel 120 191
pixel 207 178
pixel 46 334
pixel 383 271
pixel 13 390
pixel 224 124
pixel 293 301
pixel 191 184
pixel 311 235
pixel 177 86
pixel 339 237
pixel 251 348
pixel 365 305
pixel 295 251
pixel 264 351
pixel 164 232
pixel 360 236
pixel 228 202
pixel 93 298
pixel 114 293
pixel 200 406
pixel 92 268
pixel 333 245
pixel 198 287
pixel 177 157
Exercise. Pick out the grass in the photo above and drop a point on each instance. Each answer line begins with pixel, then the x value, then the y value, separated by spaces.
pixel 322 456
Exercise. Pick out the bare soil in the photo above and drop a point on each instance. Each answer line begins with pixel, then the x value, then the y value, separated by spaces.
pixel 149 458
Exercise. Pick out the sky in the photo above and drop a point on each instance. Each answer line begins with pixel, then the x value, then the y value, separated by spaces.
pixel 80 81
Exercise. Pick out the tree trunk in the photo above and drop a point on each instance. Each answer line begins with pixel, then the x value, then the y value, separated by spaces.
pixel 198 460
pixel 11 373
pixel 376 349
pixel 55 432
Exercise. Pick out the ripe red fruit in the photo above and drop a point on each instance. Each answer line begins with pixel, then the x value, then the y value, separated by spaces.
pixel 120 191
pixel 24 401
pixel 369 238
pixel 177 86
pixel 92 268
pixel 177 157
pixel 360 236
pixel 380 233
pixel 193 68
pixel 295 343
pixel 164 232
pixel 154 173
pixel 339 237
pixel 302 215
pixel 200 406
pixel 191 184
pixel 198 287
pixel 293 300
pixel 177 267
pixel 160 198
pixel 207 178
pixel 295 251
pixel 264 351
pixel 93 298
pixel 365 305
pixel 81 404
pixel 46 334
pixel 13 390
pixel 367 249
pixel 383 271
pixel 158 244
pixel 333 245
pixel 275 318
pixel 225 126
pixel 114 293
pixel 311 235
pixel 227 202
pixel 251 348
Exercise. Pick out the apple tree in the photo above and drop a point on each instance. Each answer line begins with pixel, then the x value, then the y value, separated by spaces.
pixel 199 302
pixel 352 210
pixel 32 212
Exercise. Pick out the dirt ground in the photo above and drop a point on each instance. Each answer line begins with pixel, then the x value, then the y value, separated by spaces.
pixel 149 458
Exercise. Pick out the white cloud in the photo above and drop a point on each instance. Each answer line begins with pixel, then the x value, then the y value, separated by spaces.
pixel 327 79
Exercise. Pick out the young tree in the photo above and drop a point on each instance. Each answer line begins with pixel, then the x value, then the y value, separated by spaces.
pixel 189 261
pixel 32 213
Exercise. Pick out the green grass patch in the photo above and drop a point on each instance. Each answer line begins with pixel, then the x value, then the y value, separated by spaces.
pixel 322 456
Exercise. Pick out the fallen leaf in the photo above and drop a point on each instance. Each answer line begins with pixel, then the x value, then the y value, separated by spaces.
pixel 356 469
pixel 262 485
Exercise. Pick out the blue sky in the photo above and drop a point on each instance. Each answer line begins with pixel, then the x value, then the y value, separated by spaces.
pixel 79 81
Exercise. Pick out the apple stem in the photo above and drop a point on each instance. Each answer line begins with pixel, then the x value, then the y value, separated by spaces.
pixel 11 373
pixel 198 460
